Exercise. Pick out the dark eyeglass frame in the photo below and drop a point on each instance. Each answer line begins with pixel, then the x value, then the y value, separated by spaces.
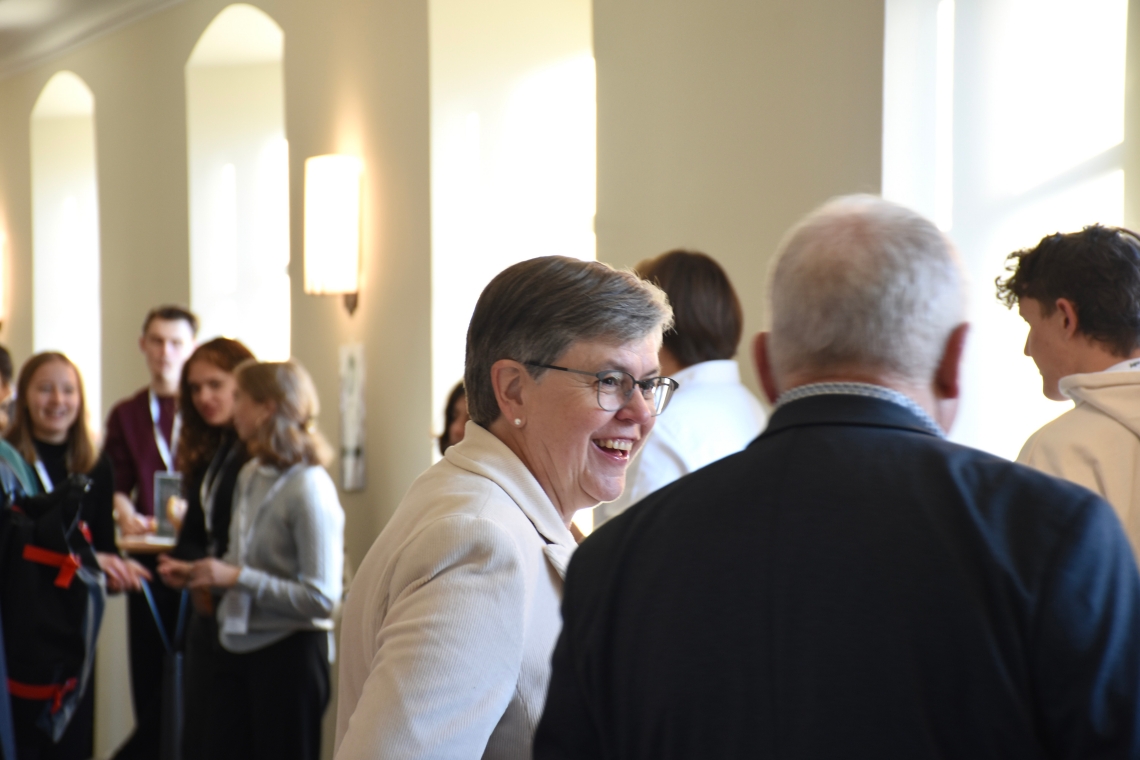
pixel 649 388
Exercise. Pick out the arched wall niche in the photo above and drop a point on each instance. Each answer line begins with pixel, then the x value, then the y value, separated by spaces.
pixel 66 307
pixel 239 181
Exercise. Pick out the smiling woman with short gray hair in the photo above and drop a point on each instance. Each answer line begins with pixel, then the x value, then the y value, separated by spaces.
pixel 451 621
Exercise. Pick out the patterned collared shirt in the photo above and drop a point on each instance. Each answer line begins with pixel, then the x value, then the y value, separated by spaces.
pixel 862 389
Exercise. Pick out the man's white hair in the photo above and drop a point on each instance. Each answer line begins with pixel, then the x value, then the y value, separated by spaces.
pixel 864 284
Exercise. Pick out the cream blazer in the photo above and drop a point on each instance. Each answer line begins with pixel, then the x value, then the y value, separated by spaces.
pixel 451 621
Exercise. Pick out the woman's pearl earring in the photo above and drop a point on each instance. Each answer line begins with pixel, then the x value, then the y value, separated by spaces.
pixel 518 422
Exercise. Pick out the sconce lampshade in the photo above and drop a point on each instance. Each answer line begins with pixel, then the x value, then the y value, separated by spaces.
pixel 3 270
pixel 332 224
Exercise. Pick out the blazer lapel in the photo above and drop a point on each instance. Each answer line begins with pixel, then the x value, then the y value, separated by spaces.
pixel 559 557
pixel 482 453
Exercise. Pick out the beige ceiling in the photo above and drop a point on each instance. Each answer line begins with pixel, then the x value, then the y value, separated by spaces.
pixel 31 30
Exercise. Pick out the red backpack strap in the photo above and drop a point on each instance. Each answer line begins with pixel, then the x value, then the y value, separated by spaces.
pixel 67 563
pixel 53 692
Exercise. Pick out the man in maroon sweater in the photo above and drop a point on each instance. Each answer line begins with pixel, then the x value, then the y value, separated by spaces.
pixel 141 440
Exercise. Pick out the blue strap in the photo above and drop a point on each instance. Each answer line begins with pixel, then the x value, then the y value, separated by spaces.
pixel 158 618
pixel 183 607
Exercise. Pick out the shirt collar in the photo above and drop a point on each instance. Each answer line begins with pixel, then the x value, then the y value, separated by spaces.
pixel 866 390
pixel 717 371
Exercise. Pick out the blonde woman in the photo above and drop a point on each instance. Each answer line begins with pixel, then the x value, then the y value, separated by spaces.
pixel 281 574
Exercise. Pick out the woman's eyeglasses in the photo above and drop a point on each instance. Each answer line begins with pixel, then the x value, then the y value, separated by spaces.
pixel 615 388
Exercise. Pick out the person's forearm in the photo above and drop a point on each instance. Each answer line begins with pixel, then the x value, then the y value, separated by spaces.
pixel 128 519
pixel 285 596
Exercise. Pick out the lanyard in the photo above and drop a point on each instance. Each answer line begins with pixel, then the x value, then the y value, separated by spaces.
pixel 212 480
pixel 165 450
pixel 248 517
pixel 45 479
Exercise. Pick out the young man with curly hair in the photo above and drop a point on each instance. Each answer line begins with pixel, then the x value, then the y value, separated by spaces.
pixel 1080 294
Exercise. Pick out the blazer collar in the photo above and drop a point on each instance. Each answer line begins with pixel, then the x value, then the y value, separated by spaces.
pixel 481 453
pixel 842 409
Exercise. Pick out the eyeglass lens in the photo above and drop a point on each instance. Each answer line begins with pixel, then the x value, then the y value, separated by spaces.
pixel 615 389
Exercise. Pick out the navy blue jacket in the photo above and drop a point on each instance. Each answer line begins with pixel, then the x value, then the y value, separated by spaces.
pixel 851 586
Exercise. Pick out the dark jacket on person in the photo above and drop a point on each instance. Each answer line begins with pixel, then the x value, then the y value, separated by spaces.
pixel 195 539
pixel 97 509
pixel 7 728
pixel 10 489
pixel 851 585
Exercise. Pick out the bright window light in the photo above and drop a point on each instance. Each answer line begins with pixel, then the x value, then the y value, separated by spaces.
pixel 65 231
pixel 944 117
pixel 1025 136
pixel 239 182
pixel 513 153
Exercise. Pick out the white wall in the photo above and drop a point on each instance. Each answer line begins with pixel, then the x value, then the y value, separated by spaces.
pixel 720 124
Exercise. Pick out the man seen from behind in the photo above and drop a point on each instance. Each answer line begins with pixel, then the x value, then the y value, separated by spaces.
pixel 853 584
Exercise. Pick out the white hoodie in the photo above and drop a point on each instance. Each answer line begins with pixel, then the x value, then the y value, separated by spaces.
pixel 1097 443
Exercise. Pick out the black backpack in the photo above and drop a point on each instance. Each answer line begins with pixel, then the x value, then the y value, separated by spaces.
pixel 52 595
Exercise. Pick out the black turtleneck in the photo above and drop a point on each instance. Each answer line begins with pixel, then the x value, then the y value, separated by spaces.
pixel 97 510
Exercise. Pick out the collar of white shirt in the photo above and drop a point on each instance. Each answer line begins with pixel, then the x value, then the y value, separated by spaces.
pixel 716 372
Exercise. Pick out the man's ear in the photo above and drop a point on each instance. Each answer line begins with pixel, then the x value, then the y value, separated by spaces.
pixel 764 367
pixel 1070 322
pixel 947 377
pixel 507 378
pixel 142 343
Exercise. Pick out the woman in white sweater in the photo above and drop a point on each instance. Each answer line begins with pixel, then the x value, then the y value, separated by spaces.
pixel 452 618
pixel 282 574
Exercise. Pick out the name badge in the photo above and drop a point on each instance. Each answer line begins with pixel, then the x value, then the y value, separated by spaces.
pixel 167 496
pixel 235 612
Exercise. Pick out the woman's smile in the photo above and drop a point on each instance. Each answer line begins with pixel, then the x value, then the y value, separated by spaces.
pixel 579 451
pixel 617 448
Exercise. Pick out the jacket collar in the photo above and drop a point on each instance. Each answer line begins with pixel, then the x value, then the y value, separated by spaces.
pixel 842 409
pixel 481 453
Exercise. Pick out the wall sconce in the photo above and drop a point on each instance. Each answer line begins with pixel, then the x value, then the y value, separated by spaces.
pixel 332 227
pixel 3 272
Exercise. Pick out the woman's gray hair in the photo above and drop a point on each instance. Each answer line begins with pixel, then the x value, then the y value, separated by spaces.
pixel 534 310
pixel 864 283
